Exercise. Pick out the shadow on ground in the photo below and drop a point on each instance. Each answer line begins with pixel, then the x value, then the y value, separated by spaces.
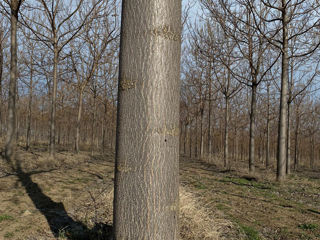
pixel 61 224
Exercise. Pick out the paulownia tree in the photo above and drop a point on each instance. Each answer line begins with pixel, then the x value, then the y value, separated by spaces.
pixel 146 201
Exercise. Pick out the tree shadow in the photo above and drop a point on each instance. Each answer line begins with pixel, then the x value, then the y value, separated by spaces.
pixel 61 224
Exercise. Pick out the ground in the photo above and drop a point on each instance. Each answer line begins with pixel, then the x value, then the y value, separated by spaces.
pixel 70 197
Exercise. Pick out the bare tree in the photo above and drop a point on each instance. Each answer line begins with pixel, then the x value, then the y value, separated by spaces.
pixel 146 175
pixel 283 24
pixel 56 30
pixel 90 50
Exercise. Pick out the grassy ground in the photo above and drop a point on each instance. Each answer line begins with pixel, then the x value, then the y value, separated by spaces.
pixel 261 207
pixel 71 198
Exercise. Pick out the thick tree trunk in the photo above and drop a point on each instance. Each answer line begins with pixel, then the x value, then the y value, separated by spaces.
pixel 146 202
pixel 252 126
pixel 282 127
pixel 11 129
pixel 53 100
pixel 226 133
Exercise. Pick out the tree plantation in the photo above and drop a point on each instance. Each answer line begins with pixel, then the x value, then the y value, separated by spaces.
pixel 160 119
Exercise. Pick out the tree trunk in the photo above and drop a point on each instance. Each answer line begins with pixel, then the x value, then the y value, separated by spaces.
pixel 30 106
pixel 201 133
pixel 1 73
pixel 190 142
pixel 181 137
pixel 288 163
pixel 252 126
pixel 268 129
pixel 209 125
pixel 197 141
pixel 282 127
pixel 79 120
pixel 296 144
pixel 11 129
pixel 146 202
pixel 185 138
pixel 312 152
pixel 93 123
pixel 226 133
pixel 104 127
pixel 53 100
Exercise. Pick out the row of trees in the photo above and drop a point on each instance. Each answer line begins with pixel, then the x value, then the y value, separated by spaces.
pixel 236 79
pixel 67 63
pixel 249 90
pixel 243 63
pixel 251 64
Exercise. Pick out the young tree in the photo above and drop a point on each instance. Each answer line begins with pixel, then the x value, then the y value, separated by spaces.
pixel 56 30
pixel 88 51
pixel 146 201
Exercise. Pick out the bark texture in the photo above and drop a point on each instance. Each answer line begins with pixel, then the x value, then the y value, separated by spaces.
pixel 147 149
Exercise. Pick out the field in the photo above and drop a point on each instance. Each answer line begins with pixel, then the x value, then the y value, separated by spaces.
pixel 70 197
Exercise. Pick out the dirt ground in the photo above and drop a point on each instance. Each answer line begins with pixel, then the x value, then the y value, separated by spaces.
pixel 71 196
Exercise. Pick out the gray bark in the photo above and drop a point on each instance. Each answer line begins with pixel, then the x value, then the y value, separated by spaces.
pixel 147 149
pixel 288 162
pixel 268 129
pixel 252 126
pixel 296 134
pixel 11 129
pixel 185 138
pixel 209 122
pixel 282 127
pixel 197 140
pixel 80 100
pixel 1 72
pixel 53 98
pixel 30 105
pixel 226 133
pixel 312 152
pixel 190 142
pixel 201 133
pixel 93 123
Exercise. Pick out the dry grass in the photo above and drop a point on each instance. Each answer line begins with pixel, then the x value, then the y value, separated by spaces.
pixel 214 204
pixel 82 186
pixel 198 222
